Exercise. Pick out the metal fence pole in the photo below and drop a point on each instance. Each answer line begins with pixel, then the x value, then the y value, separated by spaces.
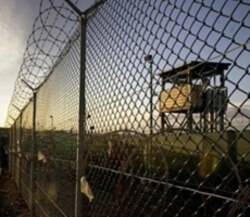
pixel 13 151
pixel 32 162
pixel 82 119
pixel 9 150
pixel 19 145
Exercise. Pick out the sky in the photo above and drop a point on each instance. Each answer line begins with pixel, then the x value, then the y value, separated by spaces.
pixel 164 44
pixel 16 20
pixel 173 32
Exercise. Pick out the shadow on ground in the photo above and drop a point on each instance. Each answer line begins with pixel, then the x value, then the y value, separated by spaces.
pixel 11 201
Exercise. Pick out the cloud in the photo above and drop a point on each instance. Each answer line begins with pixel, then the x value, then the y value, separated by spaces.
pixel 238 115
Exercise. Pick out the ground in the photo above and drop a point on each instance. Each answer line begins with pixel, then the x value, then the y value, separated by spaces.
pixel 11 201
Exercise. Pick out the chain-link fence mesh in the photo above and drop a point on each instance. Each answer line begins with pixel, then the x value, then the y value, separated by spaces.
pixel 57 135
pixel 166 105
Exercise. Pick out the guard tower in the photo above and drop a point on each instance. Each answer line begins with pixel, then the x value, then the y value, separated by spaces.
pixel 194 97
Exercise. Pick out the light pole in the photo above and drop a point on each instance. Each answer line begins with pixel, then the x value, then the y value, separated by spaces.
pixel 149 59
pixel 52 122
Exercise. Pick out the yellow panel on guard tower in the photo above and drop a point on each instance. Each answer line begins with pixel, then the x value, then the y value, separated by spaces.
pixel 180 98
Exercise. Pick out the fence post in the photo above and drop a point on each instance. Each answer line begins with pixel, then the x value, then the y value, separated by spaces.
pixel 19 148
pixel 33 158
pixel 18 128
pixel 33 150
pixel 13 151
pixel 82 118
pixel 9 150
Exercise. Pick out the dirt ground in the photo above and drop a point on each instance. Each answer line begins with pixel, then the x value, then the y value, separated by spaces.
pixel 11 201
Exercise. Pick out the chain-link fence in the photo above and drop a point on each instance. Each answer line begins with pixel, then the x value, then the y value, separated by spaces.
pixel 139 108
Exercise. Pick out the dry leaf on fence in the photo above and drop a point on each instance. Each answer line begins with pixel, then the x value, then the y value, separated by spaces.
pixel 85 189
pixel 41 157
pixel 28 157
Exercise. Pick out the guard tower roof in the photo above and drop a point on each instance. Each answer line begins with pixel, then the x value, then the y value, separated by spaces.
pixel 196 70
